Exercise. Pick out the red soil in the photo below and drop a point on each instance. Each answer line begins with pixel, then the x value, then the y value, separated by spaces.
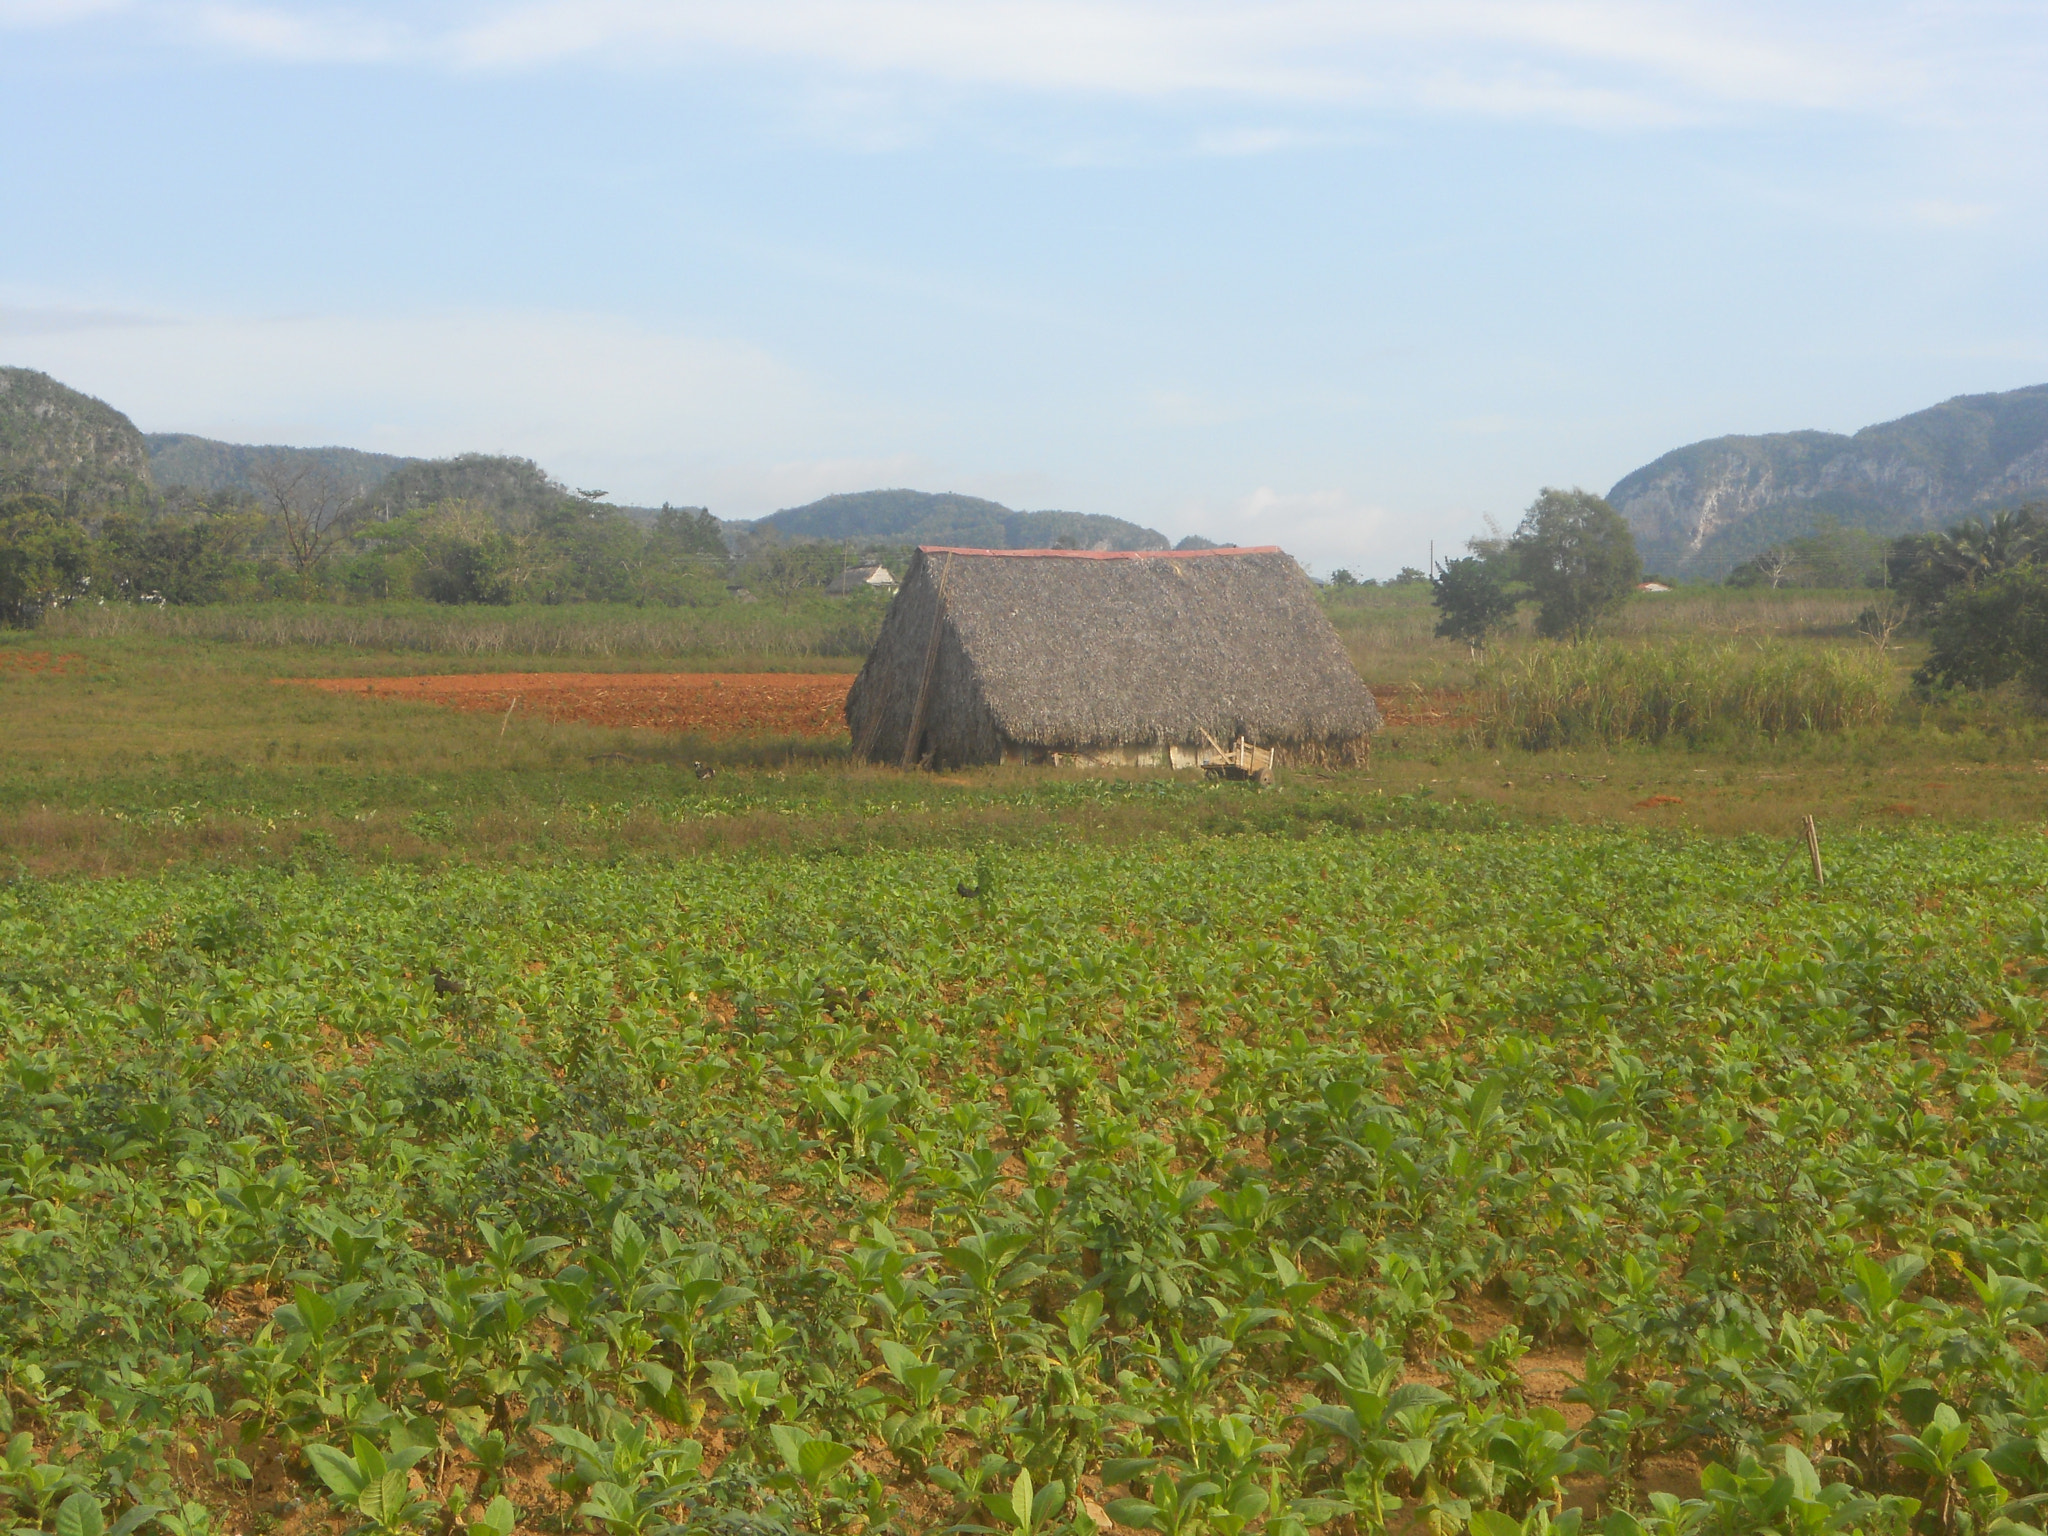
pixel 702 703
pixel 729 703
pixel 38 661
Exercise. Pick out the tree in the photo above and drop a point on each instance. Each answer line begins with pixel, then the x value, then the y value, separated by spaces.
pixel 1471 601
pixel 788 569
pixel 464 556
pixel 1991 631
pixel 307 503
pixel 1925 568
pixel 1774 565
pixel 1884 618
pixel 688 531
pixel 190 552
pixel 45 558
pixel 1578 557
pixel 1830 556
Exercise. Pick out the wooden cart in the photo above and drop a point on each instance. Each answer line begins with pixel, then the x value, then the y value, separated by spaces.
pixel 1243 762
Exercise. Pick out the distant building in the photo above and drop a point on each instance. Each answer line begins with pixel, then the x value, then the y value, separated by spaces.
pixel 856 578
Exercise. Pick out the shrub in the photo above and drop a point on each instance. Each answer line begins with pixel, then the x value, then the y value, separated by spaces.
pixel 1471 602
pixel 1989 634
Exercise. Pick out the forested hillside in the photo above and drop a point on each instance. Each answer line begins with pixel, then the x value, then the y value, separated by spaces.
pixel 55 442
pixel 206 465
pixel 91 510
pixel 1701 510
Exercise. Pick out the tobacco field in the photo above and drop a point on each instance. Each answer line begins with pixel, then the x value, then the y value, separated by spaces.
pixel 1434 1178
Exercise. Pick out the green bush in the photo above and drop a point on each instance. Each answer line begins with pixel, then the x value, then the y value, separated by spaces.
pixel 1989 634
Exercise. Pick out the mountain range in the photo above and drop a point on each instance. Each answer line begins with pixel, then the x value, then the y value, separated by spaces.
pixel 1697 512
pixel 1701 510
pixel 80 450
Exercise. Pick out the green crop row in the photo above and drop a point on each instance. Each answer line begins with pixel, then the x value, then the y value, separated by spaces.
pixel 1397 1180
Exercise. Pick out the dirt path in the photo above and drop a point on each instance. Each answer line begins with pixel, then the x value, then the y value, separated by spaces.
pixel 701 703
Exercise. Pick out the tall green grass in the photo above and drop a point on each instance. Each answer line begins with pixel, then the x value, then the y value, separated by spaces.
pixel 1605 692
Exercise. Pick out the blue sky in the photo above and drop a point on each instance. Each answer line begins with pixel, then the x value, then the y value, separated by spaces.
pixel 1344 277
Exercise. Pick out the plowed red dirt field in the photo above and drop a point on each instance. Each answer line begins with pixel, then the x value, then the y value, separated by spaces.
pixel 701 703
pixel 39 661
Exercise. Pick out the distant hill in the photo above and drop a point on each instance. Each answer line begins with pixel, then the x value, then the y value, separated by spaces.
pixel 1701 510
pixel 504 484
pixel 57 442
pixel 919 517
pixel 203 464
pixel 62 443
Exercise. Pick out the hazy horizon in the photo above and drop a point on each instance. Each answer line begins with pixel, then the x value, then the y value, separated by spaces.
pixel 1345 278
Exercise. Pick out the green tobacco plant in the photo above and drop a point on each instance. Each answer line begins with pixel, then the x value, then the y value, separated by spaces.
pixel 1237 1214
pixel 82 1515
pixel 373 1485
pixel 629 1478
pixel 815 1466
pixel 1024 1509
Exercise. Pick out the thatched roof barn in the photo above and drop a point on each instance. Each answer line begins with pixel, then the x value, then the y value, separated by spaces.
pixel 997 655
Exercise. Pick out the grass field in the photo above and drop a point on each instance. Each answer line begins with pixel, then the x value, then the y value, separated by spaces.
pixel 144 749
pixel 415 1120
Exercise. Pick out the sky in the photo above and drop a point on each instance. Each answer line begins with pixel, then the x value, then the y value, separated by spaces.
pixel 1351 278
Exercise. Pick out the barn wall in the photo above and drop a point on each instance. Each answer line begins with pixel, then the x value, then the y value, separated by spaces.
pixel 958 728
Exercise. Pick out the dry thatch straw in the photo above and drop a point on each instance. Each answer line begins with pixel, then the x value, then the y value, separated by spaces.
pixel 1117 657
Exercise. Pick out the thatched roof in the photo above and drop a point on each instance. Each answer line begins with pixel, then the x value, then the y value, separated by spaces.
pixel 1079 651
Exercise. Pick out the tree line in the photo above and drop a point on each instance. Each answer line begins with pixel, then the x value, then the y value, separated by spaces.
pixel 1977 591
pixel 474 529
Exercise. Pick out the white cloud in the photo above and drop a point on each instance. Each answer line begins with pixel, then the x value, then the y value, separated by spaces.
pixel 1942 214
pixel 54 13
pixel 59 319
pixel 1293 49
pixel 1601 62
pixel 300 36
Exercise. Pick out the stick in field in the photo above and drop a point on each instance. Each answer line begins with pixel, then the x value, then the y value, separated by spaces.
pixel 1820 877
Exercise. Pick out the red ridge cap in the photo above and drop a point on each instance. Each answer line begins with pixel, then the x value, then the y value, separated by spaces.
pixel 1097 554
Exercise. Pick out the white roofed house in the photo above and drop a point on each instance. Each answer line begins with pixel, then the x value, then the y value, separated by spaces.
pixel 861 578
